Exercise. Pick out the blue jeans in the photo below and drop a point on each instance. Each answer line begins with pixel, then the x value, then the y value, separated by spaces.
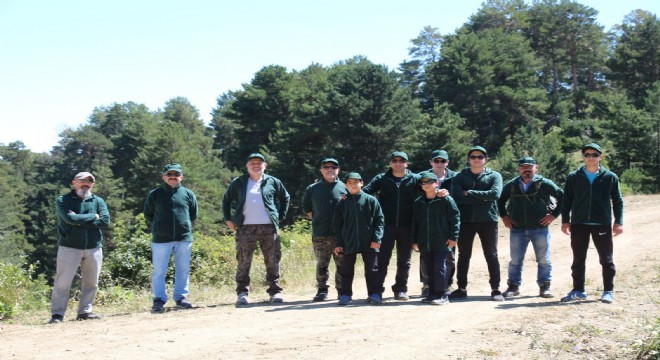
pixel 518 242
pixel 160 254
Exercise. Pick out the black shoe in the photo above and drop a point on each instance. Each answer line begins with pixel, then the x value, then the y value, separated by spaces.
pixel 56 319
pixel 88 316
pixel 321 296
pixel 158 306
pixel 428 299
pixel 184 304
pixel 458 294
pixel 512 290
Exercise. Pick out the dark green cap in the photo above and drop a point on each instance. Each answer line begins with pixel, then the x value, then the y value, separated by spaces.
pixel 330 160
pixel 352 175
pixel 427 175
pixel 477 148
pixel 400 154
pixel 593 146
pixel 256 156
pixel 172 167
pixel 527 160
pixel 440 154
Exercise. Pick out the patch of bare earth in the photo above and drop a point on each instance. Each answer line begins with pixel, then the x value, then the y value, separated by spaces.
pixel 525 327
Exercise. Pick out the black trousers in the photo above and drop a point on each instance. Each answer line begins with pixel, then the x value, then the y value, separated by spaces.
pixel 399 236
pixel 370 259
pixel 602 237
pixel 487 232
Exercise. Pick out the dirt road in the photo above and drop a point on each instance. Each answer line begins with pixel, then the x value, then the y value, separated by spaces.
pixel 527 327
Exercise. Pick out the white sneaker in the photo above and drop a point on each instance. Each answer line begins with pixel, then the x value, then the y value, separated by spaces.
pixel 440 301
pixel 242 299
pixel 277 298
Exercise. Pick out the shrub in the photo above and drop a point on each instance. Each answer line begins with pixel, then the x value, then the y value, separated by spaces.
pixel 18 291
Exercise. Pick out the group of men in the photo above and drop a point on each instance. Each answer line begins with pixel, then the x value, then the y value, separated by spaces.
pixel 590 205
pixel 431 212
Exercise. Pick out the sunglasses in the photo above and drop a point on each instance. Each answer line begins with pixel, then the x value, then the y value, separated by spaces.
pixel 428 182
pixel 88 181
pixel 439 161
pixel 328 167
pixel 173 174
pixel 592 155
pixel 480 157
pixel 398 161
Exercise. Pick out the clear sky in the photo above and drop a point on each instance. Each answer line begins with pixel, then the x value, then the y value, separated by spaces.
pixel 61 59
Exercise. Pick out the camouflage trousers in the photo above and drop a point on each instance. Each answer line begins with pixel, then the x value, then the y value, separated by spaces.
pixel 324 247
pixel 268 238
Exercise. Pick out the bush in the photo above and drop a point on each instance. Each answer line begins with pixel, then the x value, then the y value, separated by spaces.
pixel 18 291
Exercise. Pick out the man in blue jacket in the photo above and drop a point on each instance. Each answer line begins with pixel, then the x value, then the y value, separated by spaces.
pixel 253 206
pixel 171 210
pixel 80 217
pixel 591 195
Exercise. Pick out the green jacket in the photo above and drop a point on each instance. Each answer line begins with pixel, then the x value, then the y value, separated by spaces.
pixel 77 225
pixel 320 198
pixel 480 203
pixel 357 222
pixel 527 209
pixel 446 184
pixel 586 203
pixel 276 199
pixel 396 201
pixel 434 222
pixel 171 213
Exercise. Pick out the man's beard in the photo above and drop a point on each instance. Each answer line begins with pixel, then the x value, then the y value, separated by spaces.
pixel 84 193
pixel 527 175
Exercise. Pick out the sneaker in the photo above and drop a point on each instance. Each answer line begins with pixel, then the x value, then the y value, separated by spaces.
pixel 496 295
pixel 544 290
pixel 321 296
pixel 401 295
pixel 425 291
pixel 441 301
pixel 608 297
pixel 242 299
pixel 427 300
pixel 375 299
pixel 458 294
pixel 574 295
pixel 158 306
pixel 512 290
pixel 88 316
pixel 56 319
pixel 184 304
pixel 277 298
pixel 344 300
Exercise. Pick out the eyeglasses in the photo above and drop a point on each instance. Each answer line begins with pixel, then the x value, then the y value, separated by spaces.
pixel 428 182
pixel 480 157
pixel 439 161
pixel 592 155
pixel 328 167
pixel 173 174
pixel 398 161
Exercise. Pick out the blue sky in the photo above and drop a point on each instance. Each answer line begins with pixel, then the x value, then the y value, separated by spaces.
pixel 61 59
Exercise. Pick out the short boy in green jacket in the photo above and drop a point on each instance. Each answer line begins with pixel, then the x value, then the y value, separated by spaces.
pixel 358 227
pixel 435 227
